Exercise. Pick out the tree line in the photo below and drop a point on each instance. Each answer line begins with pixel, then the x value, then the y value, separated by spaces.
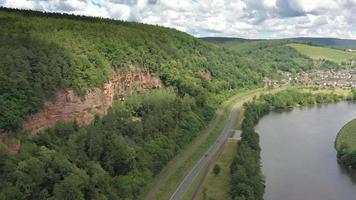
pixel 247 181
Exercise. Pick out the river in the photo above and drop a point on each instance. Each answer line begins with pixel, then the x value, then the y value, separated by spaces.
pixel 298 156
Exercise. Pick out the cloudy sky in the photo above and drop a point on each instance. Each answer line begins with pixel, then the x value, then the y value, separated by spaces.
pixel 233 18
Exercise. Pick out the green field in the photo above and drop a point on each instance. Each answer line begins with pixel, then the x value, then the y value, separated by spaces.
pixel 346 139
pixel 218 186
pixel 316 52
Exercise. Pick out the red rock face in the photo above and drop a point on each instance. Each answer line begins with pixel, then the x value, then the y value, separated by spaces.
pixel 69 106
pixel 206 75
pixel 12 144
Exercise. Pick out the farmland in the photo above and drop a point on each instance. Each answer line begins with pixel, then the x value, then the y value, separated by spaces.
pixel 317 52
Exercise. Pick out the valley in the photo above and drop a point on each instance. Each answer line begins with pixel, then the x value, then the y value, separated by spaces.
pixel 100 108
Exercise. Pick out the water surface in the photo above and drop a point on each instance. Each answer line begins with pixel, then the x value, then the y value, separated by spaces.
pixel 298 155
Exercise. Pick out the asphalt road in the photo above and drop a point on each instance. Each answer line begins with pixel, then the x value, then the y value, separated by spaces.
pixel 204 161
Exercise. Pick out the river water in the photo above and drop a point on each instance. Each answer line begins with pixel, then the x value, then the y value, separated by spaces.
pixel 298 156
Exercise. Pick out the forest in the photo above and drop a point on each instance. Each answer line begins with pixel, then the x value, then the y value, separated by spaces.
pixel 247 181
pixel 45 52
pixel 345 141
pixel 115 156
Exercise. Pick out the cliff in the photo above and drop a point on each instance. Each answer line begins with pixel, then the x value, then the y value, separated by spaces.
pixel 69 106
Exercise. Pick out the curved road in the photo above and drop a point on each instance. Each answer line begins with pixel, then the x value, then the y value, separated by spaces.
pixel 204 161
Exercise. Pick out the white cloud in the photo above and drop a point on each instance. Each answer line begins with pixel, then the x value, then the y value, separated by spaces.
pixel 238 18
pixel 23 4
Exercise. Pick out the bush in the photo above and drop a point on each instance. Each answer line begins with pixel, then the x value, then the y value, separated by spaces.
pixel 216 169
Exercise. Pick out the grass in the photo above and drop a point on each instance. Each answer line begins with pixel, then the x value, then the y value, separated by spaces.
pixel 339 91
pixel 202 175
pixel 316 52
pixel 196 184
pixel 173 182
pixel 346 138
pixel 196 152
pixel 217 186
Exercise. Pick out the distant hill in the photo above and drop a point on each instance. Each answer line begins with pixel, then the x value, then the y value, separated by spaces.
pixel 316 52
pixel 329 42
pixel 226 40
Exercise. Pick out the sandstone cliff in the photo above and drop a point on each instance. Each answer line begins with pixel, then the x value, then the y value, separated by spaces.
pixel 69 106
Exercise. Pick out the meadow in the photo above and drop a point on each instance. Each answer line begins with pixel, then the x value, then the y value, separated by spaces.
pixel 317 52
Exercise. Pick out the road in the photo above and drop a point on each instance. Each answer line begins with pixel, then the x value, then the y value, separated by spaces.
pixel 169 170
pixel 204 161
pixel 179 160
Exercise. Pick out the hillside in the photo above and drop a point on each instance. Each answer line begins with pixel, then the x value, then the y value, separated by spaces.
pixel 283 51
pixel 94 108
pixel 317 52
pixel 108 103
pixel 225 40
pixel 342 44
pixel 328 42
pixel 267 56
pixel 44 53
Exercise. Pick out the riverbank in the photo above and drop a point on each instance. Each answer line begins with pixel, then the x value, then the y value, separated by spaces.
pixel 164 185
pixel 298 155
pixel 247 179
pixel 345 145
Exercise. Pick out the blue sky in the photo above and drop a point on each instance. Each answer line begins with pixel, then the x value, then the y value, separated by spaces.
pixel 232 18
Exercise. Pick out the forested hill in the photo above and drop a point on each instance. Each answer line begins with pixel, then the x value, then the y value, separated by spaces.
pixel 44 52
pixel 116 155
pixel 327 42
pixel 41 53
pixel 225 40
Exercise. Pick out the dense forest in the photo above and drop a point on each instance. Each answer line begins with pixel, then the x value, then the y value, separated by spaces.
pixel 247 181
pixel 268 56
pixel 44 52
pixel 115 156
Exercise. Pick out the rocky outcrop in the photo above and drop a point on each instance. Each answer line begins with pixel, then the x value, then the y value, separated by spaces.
pixel 69 106
pixel 11 144
pixel 206 74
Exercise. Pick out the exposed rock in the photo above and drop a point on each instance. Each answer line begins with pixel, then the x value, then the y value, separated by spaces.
pixel 206 74
pixel 12 144
pixel 69 106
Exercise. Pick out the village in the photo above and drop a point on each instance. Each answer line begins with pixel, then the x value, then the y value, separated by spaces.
pixel 345 78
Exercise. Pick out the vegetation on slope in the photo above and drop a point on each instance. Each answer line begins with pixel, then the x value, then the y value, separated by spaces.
pixel 247 181
pixel 327 42
pixel 114 157
pixel 345 144
pixel 225 40
pixel 268 56
pixel 316 52
pixel 43 52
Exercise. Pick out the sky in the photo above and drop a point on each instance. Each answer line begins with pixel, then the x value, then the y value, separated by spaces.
pixel 223 18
